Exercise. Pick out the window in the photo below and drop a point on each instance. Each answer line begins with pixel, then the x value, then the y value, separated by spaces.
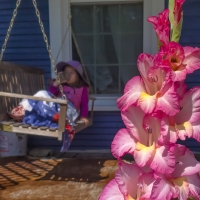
pixel 110 35
pixel 110 39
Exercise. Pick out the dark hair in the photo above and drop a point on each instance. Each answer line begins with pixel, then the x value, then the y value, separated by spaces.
pixel 80 82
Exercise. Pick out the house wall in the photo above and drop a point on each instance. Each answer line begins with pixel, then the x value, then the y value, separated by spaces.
pixel 26 46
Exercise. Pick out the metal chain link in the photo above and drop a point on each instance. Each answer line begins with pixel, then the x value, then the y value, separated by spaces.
pixel 79 53
pixel 78 49
pixel 9 29
pixel 75 42
pixel 48 49
pixel 46 41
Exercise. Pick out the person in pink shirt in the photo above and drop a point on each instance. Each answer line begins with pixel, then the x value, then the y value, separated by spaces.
pixel 75 87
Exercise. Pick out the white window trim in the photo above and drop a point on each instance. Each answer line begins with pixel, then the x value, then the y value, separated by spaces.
pixel 58 21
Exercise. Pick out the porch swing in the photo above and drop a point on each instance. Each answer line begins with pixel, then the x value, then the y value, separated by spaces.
pixel 20 82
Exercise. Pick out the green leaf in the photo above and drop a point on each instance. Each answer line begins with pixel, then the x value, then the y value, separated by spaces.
pixel 171 13
pixel 176 32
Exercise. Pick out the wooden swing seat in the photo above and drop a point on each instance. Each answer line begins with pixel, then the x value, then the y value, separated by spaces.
pixel 19 82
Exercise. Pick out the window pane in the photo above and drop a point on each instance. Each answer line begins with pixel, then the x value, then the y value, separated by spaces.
pixel 107 80
pixel 130 47
pixel 82 19
pixel 127 72
pixel 86 47
pixel 111 44
pixel 106 48
pixel 106 18
pixel 131 18
pixel 92 76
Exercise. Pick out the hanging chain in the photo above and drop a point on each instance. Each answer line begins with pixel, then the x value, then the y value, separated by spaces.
pixel 48 49
pixel 69 27
pixel 79 53
pixel 9 29
pixel 77 47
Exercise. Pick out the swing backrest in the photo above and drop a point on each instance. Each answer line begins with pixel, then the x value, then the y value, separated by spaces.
pixel 15 78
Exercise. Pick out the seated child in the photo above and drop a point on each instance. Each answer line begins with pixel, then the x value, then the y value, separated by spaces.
pixel 75 87
pixel 42 113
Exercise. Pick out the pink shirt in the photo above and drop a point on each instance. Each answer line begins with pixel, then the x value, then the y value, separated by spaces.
pixel 78 96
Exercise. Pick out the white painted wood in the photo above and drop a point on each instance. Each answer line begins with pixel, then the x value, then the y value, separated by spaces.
pixel 66 28
pixel 58 23
pixel 55 29
pixel 102 1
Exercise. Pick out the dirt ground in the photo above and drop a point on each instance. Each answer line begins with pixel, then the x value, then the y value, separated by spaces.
pixel 54 179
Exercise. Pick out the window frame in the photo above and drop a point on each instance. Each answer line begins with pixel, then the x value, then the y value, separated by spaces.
pixel 59 21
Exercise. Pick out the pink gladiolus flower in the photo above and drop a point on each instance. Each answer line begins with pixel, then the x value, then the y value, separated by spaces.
pixel 157 111
pixel 153 92
pixel 181 60
pixel 161 26
pixel 130 183
pixel 139 140
pixel 178 11
pixel 111 192
pixel 183 182
pixel 186 123
pixel 181 89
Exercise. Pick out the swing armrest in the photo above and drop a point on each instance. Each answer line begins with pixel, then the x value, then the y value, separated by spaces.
pixel 22 96
pixel 92 106
pixel 92 98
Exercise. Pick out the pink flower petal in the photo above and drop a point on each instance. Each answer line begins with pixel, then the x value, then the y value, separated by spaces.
pixel 178 11
pixel 122 143
pixel 127 178
pixel 184 130
pixel 182 187
pixel 181 89
pixel 180 73
pixel 164 160
pixel 168 131
pixel 194 184
pixel 147 180
pixel 167 100
pixel 174 54
pixel 158 76
pixel 190 109
pixel 161 25
pixel 143 154
pixel 152 124
pixel 192 59
pixel 186 165
pixel 111 192
pixel 145 62
pixel 134 124
pixel 179 150
pixel 162 189
pixel 147 103
pixel 196 130
pixel 132 93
